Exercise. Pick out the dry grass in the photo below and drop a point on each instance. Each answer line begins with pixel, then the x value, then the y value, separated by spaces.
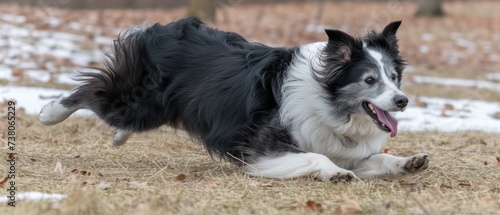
pixel 463 177
pixel 141 176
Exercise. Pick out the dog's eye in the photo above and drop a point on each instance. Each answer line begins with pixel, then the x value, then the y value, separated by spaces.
pixel 370 80
pixel 393 77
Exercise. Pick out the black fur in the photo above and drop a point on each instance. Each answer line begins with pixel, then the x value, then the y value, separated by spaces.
pixel 214 84
pixel 345 62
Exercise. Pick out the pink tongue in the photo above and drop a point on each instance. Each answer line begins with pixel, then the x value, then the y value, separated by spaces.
pixel 388 120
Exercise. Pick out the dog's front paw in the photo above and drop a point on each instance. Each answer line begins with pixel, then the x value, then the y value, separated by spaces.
pixel 416 163
pixel 335 175
pixel 344 176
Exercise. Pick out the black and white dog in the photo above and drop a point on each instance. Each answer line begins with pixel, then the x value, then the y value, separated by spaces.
pixel 320 109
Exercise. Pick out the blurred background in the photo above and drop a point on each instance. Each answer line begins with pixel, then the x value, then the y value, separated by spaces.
pixel 452 47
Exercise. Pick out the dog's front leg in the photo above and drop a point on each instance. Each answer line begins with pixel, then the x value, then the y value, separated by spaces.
pixel 389 166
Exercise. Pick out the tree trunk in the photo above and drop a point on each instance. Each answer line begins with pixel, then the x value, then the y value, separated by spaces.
pixel 202 9
pixel 429 8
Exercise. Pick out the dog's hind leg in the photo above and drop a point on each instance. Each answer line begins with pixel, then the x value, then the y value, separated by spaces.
pixel 120 137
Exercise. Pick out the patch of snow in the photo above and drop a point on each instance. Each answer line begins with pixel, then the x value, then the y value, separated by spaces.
pixel 68 36
pixel 470 45
pixel 427 37
pixel 104 40
pixel 37 196
pixel 75 25
pixel 53 21
pixel 67 79
pixel 494 58
pixel 464 115
pixel 458 82
pixel 487 47
pixel 6 74
pixel 424 49
pixel 32 99
pixel 13 18
pixel 493 76
pixel 409 69
pixel 38 75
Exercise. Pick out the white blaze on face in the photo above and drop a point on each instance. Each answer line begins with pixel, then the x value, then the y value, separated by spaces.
pixel 384 100
pixel 378 57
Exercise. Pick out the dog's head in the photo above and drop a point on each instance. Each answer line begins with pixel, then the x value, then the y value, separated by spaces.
pixel 363 75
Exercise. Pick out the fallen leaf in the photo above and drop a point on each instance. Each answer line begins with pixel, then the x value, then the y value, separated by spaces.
pixel 180 177
pixel 485 163
pixel 314 206
pixel 464 184
pixel 388 205
pixel 386 150
pixel 498 159
pixel 17 72
pixel 420 103
pixel 350 206
pixel 2 183
pixel 448 107
pixel 192 176
pixel 496 115
pixel 82 172
pixel 103 186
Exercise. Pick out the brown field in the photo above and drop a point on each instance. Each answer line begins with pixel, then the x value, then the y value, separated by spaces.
pixel 164 172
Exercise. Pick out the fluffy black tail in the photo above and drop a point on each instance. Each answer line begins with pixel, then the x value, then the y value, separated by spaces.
pixel 118 93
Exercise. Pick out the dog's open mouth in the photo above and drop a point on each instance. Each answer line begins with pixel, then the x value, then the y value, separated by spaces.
pixel 382 118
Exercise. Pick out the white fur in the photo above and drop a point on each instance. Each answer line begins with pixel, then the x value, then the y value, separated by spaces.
pixel 305 112
pixel 54 112
pixel 292 165
pixel 386 165
pixel 384 100
pixel 120 137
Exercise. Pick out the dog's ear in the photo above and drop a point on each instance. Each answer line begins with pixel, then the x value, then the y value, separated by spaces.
pixel 389 32
pixel 340 45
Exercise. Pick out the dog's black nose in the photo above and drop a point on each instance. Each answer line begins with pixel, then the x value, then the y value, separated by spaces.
pixel 400 101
